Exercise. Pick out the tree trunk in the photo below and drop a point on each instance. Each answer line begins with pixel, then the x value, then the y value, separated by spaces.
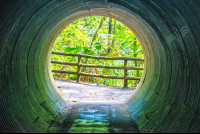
pixel 97 30
pixel 95 36
pixel 114 33
pixel 109 32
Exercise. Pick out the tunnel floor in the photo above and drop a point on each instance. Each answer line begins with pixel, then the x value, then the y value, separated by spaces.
pixel 92 108
pixel 94 117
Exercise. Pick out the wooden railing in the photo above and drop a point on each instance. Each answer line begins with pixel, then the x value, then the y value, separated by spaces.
pixel 79 65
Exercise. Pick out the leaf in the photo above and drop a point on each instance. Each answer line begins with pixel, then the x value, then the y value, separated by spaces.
pixel 111 35
pixel 72 78
pixel 135 48
pixel 129 38
pixel 69 49
pixel 98 47
pixel 106 71
pixel 78 47
pixel 92 53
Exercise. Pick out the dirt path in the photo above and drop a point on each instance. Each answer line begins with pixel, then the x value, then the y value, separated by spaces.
pixel 92 92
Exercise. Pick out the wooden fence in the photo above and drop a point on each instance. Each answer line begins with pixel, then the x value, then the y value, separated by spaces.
pixel 79 73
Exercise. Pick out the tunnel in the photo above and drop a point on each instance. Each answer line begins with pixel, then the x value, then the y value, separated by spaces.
pixel 168 96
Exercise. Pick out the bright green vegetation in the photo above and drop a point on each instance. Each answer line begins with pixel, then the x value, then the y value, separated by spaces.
pixel 98 36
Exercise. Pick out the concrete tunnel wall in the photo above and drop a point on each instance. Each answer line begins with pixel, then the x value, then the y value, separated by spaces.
pixel 167 99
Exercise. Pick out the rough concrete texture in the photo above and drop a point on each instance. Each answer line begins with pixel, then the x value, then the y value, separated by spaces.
pixel 167 99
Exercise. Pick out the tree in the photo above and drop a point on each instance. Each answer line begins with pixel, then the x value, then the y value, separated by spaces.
pixel 100 36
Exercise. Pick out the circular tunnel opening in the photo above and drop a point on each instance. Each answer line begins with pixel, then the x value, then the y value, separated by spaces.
pixel 146 35
pixel 167 98
pixel 44 95
pixel 97 36
pixel 131 21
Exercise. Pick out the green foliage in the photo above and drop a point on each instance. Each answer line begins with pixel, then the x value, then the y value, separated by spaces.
pixel 80 37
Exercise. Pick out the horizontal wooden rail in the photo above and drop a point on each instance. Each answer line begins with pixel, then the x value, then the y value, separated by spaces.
pixel 99 57
pixel 97 75
pixel 96 66
pixel 102 76
pixel 64 63
pixel 62 71
pixel 79 65
pixel 111 67
pixel 133 78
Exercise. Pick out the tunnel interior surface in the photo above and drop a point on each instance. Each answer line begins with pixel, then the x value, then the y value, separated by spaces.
pixel 167 99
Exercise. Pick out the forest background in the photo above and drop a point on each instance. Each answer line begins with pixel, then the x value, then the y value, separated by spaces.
pixel 97 36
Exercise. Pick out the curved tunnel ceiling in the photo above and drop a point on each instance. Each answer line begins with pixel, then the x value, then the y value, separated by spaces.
pixel 168 96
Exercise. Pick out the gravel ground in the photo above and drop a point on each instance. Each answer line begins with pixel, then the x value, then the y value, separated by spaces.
pixel 84 92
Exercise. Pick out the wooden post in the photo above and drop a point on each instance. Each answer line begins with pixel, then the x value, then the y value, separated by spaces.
pixel 136 65
pixel 125 75
pixel 78 69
